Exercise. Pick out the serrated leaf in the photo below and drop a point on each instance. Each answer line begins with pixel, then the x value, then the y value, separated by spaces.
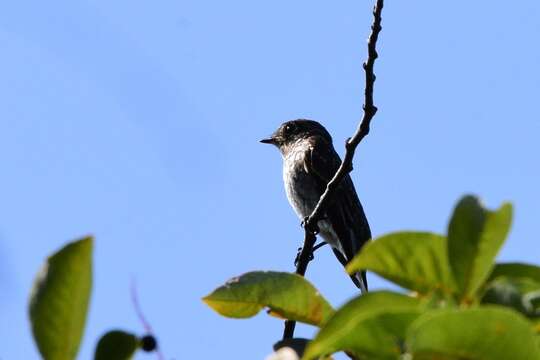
pixel 116 345
pixel 475 236
pixel 288 295
pixel 371 326
pixel 413 260
pixel 59 300
pixel 486 333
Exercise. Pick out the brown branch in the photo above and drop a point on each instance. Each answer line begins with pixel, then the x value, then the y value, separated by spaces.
pixel 310 224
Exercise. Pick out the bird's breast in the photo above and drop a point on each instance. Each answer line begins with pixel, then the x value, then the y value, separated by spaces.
pixel 300 186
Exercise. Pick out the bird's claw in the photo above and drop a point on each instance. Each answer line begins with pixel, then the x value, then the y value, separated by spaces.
pixel 314 229
pixel 297 258
pixel 318 246
pixel 298 255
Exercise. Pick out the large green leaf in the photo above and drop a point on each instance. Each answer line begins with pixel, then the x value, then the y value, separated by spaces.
pixel 59 300
pixel 516 270
pixel 287 295
pixel 486 333
pixel 475 236
pixel 371 326
pixel 117 345
pixel 413 260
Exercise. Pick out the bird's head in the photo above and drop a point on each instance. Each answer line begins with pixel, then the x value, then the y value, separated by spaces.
pixel 292 131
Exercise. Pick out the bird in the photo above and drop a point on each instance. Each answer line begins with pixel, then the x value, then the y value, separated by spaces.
pixel 309 163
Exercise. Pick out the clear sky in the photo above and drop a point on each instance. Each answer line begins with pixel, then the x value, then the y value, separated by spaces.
pixel 139 122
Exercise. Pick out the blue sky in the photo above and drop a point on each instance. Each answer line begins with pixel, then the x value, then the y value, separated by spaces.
pixel 139 122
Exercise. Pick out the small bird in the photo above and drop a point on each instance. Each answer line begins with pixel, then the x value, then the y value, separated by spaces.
pixel 309 163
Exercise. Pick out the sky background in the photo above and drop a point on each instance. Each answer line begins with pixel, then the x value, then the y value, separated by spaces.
pixel 139 122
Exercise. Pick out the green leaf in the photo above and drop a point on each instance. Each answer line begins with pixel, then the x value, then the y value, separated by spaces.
pixel 287 295
pixel 59 300
pixel 475 236
pixel 532 304
pixel 116 345
pixel 516 285
pixel 413 260
pixel 371 326
pixel 516 270
pixel 486 333
pixel 519 293
pixel 504 292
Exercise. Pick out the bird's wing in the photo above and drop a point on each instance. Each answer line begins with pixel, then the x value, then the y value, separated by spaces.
pixel 344 212
pixel 322 161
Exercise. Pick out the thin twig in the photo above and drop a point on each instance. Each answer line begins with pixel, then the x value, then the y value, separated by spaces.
pixel 137 307
pixel 140 315
pixel 310 224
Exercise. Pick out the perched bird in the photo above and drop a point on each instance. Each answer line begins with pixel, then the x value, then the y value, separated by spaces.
pixel 309 163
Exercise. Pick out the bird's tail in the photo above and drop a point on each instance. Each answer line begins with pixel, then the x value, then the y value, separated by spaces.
pixel 360 280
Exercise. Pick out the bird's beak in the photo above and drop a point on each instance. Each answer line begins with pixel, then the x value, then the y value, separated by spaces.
pixel 270 140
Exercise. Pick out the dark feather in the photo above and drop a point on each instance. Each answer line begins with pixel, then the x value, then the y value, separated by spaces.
pixel 344 212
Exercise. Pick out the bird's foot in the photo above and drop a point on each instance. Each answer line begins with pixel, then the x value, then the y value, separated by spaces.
pixel 311 256
pixel 298 255
pixel 314 229
pixel 319 245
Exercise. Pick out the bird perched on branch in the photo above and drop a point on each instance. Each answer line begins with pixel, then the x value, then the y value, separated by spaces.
pixel 309 163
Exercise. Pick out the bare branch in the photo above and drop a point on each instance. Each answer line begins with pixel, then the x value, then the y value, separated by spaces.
pixel 310 224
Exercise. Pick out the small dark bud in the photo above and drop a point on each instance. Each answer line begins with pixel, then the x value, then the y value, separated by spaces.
pixel 148 343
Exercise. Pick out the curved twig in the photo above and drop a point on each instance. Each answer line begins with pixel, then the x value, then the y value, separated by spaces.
pixel 310 224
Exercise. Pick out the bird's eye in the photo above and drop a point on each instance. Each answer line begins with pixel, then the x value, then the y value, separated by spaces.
pixel 288 128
